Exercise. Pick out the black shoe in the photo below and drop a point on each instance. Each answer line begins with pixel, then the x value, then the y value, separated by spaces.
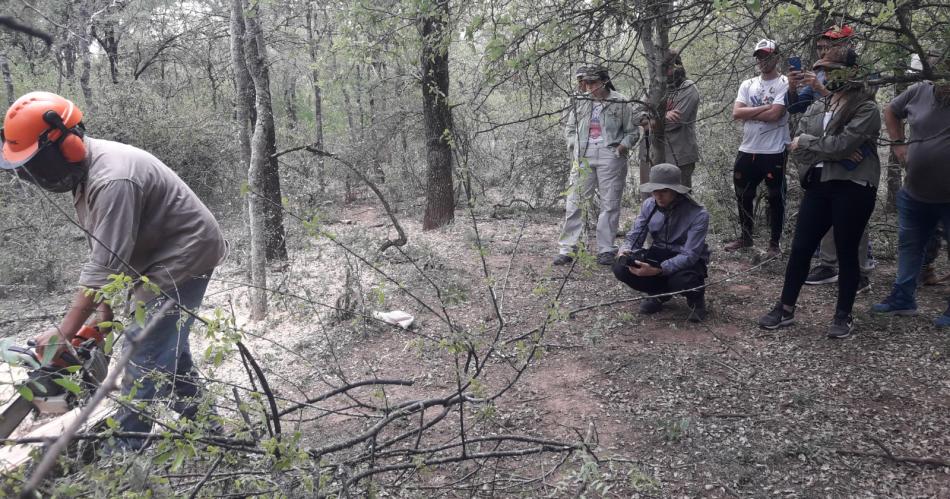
pixel 822 274
pixel 778 317
pixel 607 258
pixel 864 284
pixel 562 260
pixel 651 305
pixel 841 326
pixel 697 308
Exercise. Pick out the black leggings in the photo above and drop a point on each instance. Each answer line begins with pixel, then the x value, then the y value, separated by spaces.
pixel 748 172
pixel 845 207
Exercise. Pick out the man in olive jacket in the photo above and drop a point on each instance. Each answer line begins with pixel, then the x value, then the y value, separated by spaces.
pixel 600 131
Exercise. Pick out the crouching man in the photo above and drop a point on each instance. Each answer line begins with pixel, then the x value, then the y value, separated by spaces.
pixel 677 259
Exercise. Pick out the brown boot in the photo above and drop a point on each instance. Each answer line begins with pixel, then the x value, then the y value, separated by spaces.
pixel 928 276
pixel 737 245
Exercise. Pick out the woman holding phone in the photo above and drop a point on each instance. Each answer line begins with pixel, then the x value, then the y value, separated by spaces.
pixel 840 187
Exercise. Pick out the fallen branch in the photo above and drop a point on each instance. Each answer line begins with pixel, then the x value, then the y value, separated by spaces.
pixel 929 461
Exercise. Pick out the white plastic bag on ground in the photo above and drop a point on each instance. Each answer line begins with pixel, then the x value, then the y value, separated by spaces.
pixel 395 317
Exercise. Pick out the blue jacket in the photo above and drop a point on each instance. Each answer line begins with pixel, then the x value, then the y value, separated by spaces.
pixel 799 101
pixel 680 228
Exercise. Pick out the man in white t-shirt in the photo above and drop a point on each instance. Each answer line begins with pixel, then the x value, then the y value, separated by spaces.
pixel 760 105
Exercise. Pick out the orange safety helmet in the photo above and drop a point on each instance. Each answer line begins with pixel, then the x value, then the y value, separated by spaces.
pixel 39 120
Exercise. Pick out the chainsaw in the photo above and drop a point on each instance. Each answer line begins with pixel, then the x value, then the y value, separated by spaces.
pixel 47 383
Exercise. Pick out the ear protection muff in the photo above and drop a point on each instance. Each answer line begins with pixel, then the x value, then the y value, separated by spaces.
pixel 69 140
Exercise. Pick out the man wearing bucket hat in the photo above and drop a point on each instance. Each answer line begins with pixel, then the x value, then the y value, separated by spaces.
pixel 676 262
pixel 600 131
pixel 760 105
pixel 140 219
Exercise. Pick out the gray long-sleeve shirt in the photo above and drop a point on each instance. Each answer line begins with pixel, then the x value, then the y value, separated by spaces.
pixel 681 145
pixel 137 210
pixel 681 228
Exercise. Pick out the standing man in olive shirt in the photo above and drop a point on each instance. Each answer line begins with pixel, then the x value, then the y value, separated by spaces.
pixel 140 219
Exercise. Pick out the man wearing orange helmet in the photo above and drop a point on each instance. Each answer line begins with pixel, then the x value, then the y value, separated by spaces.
pixel 140 219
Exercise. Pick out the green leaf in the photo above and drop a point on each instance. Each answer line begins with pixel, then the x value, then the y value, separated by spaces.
pixel 140 314
pixel 25 392
pixel 110 342
pixel 51 349
pixel 69 384
pixel 112 423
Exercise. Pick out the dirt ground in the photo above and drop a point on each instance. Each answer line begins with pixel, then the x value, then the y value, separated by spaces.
pixel 669 408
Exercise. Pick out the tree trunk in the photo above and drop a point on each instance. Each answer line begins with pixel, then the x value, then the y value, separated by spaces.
pixel 654 35
pixel 242 82
pixel 894 173
pixel 440 202
pixel 110 44
pixel 268 186
pixel 7 79
pixel 82 46
pixel 290 100
pixel 317 100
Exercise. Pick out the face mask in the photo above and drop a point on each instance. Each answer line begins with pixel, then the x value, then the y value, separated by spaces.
pixel 51 172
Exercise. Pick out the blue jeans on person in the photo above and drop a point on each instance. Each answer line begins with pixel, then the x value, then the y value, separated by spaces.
pixel 916 224
pixel 162 363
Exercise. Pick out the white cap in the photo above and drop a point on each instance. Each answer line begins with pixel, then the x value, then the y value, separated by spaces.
pixel 764 44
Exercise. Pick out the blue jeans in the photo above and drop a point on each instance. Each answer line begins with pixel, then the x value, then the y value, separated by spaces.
pixel 162 363
pixel 916 224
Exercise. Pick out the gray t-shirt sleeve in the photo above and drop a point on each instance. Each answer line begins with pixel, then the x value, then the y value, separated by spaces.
pixel 899 104
pixel 116 208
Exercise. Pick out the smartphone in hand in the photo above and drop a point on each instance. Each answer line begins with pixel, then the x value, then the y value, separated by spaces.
pixel 795 63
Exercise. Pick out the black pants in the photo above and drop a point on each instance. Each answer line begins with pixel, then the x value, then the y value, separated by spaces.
pixel 748 172
pixel 845 207
pixel 684 279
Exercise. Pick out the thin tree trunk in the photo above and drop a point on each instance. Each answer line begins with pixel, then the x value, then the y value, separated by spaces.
pixel 82 45
pixel 242 82
pixel 440 201
pixel 654 35
pixel 290 101
pixel 7 79
pixel 317 99
pixel 269 177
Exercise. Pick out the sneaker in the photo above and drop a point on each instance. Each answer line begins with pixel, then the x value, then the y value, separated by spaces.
pixel 737 245
pixel 606 258
pixel 822 274
pixel 890 307
pixel 697 308
pixel 864 283
pixel 562 260
pixel 777 317
pixel 841 326
pixel 774 251
pixel 943 320
pixel 651 305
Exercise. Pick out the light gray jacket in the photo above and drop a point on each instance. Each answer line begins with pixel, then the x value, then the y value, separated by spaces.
pixel 618 122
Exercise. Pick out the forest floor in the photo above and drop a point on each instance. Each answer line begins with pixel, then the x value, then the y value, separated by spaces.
pixel 668 408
